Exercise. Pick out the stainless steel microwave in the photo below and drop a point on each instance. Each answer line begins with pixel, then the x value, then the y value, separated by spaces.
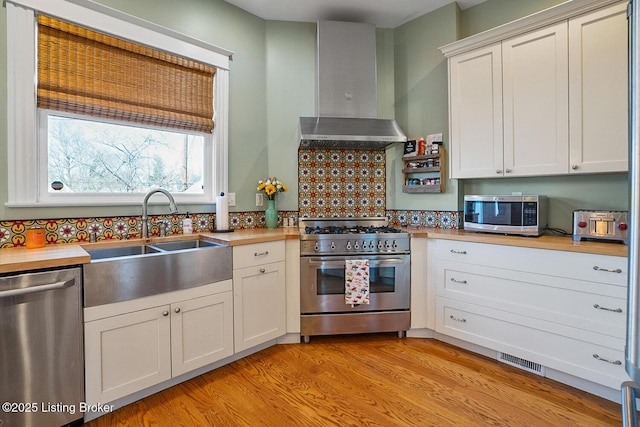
pixel 523 215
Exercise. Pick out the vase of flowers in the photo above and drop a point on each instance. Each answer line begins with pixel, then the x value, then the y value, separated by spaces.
pixel 271 187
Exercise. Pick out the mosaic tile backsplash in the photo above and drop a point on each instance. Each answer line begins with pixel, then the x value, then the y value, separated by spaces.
pixel 338 183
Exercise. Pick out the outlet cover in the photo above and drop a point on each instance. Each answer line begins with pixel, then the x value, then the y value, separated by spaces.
pixel 232 199
pixel 259 199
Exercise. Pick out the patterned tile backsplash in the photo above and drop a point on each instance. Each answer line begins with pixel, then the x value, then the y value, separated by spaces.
pixel 341 183
pixel 331 183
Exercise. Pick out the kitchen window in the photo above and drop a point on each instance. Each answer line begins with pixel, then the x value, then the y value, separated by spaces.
pixel 91 150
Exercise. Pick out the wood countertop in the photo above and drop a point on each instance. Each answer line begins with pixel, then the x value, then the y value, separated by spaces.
pixel 22 259
pixel 51 256
pixel 551 242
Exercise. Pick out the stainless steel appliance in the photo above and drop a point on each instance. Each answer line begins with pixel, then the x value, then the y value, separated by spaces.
pixel 632 350
pixel 600 225
pixel 524 215
pixel 41 368
pixel 325 246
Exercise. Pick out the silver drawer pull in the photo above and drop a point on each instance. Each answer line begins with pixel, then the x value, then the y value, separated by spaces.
pixel 462 282
pixel 458 319
pixel 261 253
pixel 608 270
pixel 262 270
pixel 615 310
pixel 613 362
pixel 453 251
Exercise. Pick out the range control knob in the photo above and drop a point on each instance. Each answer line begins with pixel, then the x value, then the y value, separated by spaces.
pixel 371 245
pixel 333 246
pixel 582 224
pixel 387 245
pixel 317 247
pixel 356 245
pixel 622 226
pixel 348 246
pixel 380 245
pixel 394 245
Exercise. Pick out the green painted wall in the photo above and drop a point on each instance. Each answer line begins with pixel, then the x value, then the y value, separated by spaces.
pixel 421 100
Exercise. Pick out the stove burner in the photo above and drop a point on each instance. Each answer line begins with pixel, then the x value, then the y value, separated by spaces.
pixel 357 229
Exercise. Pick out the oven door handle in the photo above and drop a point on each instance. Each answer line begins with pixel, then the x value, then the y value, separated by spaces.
pixel 372 262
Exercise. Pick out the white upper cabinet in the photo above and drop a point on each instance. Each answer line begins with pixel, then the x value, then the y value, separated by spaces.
pixel 544 95
pixel 475 91
pixel 598 91
pixel 535 102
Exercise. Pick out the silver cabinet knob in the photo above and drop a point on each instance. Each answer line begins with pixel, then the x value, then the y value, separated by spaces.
pixel 498 170
pixel 574 167
pixel 507 171
pixel 262 270
pixel 165 313
pixel 177 310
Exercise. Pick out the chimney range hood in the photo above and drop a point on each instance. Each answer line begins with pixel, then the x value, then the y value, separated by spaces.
pixel 346 91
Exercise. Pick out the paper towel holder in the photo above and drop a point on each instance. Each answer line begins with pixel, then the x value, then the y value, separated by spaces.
pixel 215 230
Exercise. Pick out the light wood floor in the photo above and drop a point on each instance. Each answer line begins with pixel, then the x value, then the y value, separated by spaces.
pixel 367 380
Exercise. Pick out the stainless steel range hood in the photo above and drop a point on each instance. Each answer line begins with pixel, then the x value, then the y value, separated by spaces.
pixel 343 132
pixel 346 91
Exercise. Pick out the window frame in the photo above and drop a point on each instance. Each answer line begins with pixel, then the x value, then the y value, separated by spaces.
pixel 26 179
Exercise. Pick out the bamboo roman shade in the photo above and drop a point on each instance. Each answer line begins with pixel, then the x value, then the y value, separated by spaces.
pixel 85 72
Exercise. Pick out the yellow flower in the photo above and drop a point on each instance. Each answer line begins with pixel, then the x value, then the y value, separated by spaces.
pixel 261 186
pixel 284 187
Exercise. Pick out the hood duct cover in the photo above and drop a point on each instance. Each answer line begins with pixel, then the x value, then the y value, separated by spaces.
pixel 344 132
pixel 346 91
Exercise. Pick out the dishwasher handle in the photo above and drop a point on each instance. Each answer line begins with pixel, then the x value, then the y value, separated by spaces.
pixel 39 288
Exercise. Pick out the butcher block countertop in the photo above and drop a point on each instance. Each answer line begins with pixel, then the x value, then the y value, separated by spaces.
pixel 51 256
pixel 551 242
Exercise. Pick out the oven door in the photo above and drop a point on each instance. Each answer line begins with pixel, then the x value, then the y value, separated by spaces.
pixel 322 284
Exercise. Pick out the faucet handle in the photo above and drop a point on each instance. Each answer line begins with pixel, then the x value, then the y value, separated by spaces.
pixel 162 225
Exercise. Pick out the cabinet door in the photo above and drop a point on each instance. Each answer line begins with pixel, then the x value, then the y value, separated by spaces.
pixel 535 100
pixel 475 111
pixel 258 304
pixel 126 353
pixel 201 332
pixel 598 91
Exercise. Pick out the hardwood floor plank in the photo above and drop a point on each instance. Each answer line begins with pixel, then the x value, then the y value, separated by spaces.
pixel 367 380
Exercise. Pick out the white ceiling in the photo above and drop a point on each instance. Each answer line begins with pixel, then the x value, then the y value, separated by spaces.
pixel 382 13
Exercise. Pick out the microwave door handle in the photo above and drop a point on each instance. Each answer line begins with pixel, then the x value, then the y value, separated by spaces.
pixel 496 209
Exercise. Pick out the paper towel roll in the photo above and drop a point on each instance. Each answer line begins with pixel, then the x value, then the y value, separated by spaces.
pixel 222 212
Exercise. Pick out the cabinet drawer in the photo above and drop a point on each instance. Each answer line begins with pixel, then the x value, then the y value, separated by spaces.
pixel 590 267
pixel 257 254
pixel 593 357
pixel 590 306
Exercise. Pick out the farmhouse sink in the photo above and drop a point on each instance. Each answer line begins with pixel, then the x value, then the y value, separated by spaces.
pixel 129 272
pixel 184 244
pixel 121 251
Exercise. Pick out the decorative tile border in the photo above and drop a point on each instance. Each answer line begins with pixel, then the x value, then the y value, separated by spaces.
pixel 77 230
pixel 432 219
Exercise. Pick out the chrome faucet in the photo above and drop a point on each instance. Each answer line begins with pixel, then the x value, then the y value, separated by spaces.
pixel 172 206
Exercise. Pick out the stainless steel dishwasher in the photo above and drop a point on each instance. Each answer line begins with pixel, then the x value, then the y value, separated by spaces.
pixel 41 361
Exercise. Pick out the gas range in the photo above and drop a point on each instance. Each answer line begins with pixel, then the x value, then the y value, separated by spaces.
pixel 342 236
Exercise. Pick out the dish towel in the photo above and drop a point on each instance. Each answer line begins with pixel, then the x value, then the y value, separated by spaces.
pixel 356 282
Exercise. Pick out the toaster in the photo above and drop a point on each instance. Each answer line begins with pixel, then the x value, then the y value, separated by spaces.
pixel 600 225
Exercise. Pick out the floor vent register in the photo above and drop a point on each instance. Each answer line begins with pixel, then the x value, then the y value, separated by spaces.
pixel 521 363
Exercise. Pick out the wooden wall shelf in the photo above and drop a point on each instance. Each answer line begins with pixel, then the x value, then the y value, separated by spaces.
pixel 430 173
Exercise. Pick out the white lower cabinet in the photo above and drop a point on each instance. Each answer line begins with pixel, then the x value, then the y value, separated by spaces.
pixel 259 293
pixel 562 310
pixel 145 342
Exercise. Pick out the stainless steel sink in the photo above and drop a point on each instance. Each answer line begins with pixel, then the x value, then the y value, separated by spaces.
pixel 184 244
pixel 130 272
pixel 121 251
